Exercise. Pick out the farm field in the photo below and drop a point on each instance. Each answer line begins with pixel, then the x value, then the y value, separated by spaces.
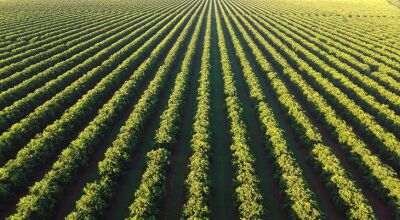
pixel 200 109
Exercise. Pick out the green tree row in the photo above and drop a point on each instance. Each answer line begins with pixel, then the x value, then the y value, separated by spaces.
pixel 71 30
pixel 335 48
pixel 96 194
pixel 19 84
pixel 347 196
pixel 380 176
pixel 197 181
pixel 152 186
pixel 105 57
pixel 21 132
pixel 16 172
pixel 362 94
pixel 41 61
pixel 354 39
pixel 385 141
pixel 76 156
pixel 348 42
pixel 167 132
pixel 247 192
pixel 300 198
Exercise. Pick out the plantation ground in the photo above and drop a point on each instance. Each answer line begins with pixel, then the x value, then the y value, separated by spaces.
pixel 221 109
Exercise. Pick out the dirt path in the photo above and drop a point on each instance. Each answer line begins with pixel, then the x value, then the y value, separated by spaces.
pixel 221 201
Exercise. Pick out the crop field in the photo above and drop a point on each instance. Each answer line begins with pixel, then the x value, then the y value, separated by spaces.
pixel 199 109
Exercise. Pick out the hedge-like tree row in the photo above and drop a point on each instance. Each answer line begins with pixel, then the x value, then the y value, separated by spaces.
pixel 380 177
pixel 167 132
pixel 22 31
pixel 16 172
pixel 152 186
pixel 386 143
pixel 344 38
pixel 364 98
pixel 149 194
pixel 347 195
pixel 338 50
pixel 20 133
pixel 41 61
pixel 33 32
pixel 247 193
pixel 109 58
pixel 70 31
pixel 72 28
pixel 67 31
pixel 76 155
pixel 21 83
pixel 301 200
pixel 364 43
pixel 347 44
pixel 198 180
pixel 362 80
pixel 355 41
pixel 20 108
pixel 367 58
pixel 30 79
pixel 388 81
pixel 96 194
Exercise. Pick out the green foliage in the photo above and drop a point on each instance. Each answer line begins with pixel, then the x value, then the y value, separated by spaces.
pixel 20 133
pixel 167 132
pixel 300 197
pixel 247 192
pixel 109 51
pixel 119 153
pixel 151 189
pixel 45 144
pixel 71 71
pixel 380 176
pixel 197 181
pixel 152 186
